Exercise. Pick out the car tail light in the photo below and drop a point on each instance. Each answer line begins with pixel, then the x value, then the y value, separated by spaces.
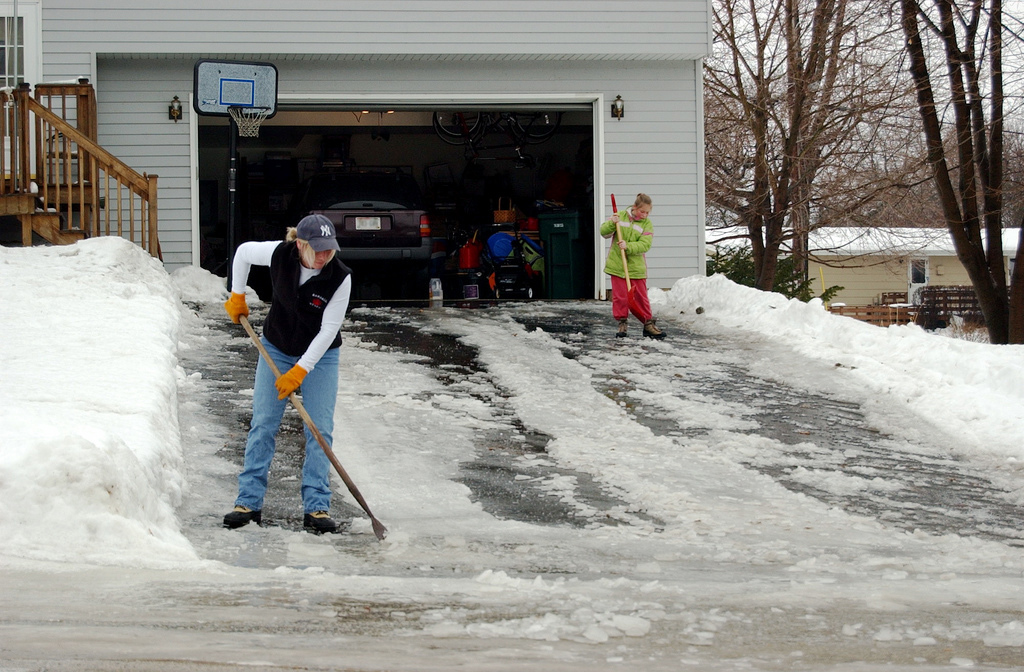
pixel 424 226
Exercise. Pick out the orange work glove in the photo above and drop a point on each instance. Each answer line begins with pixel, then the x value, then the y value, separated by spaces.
pixel 236 307
pixel 289 381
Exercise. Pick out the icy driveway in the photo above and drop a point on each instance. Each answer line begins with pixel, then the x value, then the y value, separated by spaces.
pixel 679 507
pixel 663 503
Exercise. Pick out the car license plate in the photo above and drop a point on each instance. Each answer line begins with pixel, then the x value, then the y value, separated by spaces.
pixel 367 223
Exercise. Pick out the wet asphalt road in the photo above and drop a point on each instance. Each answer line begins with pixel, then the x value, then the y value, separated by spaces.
pixel 926 488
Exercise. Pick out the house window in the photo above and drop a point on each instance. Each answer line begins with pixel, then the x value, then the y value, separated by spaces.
pixel 918 271
pixel 12 53
pixel 21 56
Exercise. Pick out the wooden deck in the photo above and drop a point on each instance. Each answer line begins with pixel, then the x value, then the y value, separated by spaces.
pixel 58 182
pixel 938 306
pixel 882 316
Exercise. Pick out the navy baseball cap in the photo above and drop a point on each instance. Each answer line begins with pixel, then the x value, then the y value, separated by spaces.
pixel 319 232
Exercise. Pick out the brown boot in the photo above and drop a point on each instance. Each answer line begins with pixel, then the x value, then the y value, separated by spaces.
pixel 242 515
pixel 319 522
pixel 651 330
pixel 623 328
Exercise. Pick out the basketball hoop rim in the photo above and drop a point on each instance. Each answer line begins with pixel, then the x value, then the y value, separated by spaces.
pixel 248 118
pixel 243 109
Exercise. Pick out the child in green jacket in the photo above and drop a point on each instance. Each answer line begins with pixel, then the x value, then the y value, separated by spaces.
pixel 637 234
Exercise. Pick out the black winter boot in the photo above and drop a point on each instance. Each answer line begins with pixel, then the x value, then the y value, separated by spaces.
pixel 319 522
pixel 242 515
pixel 623 328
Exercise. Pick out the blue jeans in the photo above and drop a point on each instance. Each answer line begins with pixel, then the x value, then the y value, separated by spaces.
pixel 319 394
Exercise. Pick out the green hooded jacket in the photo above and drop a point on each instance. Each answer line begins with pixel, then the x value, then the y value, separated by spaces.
pixel 638 236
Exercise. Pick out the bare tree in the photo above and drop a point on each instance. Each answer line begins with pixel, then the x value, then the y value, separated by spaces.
pixel 1013 177
pixel 797 100
pixel 970 38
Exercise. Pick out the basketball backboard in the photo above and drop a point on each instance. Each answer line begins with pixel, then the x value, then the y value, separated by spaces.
pixel 219 85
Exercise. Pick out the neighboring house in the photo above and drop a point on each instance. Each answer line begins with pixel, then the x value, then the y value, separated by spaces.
pixel 363 79
pixel 871 262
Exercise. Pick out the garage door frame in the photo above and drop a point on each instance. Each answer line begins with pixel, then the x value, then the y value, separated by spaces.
pixel 595 100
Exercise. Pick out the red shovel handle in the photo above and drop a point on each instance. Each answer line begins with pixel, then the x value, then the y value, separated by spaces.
pixel 618 237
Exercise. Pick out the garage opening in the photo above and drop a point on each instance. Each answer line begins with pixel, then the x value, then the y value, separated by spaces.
pixel 499 197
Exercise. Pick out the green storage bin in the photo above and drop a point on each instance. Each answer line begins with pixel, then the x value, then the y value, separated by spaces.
pixel 563 254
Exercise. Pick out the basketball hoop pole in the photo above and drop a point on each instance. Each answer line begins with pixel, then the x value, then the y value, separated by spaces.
pixel 232 191
pixel 248 126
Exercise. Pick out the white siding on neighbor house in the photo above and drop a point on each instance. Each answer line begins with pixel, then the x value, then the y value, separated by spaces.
pixel 865 278
pixel 654 149
pixel 505 29
pixel 862 280
pixel 949 271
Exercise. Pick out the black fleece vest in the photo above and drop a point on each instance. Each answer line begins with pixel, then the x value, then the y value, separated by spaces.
pixel 297 312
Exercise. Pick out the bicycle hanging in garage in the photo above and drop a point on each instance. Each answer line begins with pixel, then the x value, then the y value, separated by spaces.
pixel 482 131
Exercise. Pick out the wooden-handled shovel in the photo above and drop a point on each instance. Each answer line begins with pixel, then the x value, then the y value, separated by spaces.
pixel 630 294
pixel 378 527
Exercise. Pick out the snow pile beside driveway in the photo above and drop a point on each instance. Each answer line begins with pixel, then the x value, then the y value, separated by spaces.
pixel 935 377
pixel 90 455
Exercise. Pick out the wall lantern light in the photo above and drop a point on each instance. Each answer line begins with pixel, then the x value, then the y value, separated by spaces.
pixel 618 108
pixel 174 110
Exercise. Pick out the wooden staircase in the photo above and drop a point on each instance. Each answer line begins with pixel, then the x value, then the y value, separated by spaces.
pixel 58 183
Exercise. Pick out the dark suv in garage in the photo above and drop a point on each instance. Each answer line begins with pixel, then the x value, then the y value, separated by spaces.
pixel 383 227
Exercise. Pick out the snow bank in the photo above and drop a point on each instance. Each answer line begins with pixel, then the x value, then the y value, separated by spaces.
pixel 199 285
pixel 90 455
pixel 968 389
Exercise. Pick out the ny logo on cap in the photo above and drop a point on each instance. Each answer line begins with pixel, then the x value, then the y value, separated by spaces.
pixel 325 230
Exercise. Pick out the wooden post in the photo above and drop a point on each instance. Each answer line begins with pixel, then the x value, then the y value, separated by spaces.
pixel 89 223
pixel 6 139
pixel 26 230
pixel 86 105
pixel 154 240
pixel 24 165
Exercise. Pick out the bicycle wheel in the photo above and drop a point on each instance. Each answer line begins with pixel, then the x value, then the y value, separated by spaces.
pixel 456 128
pixel 537 126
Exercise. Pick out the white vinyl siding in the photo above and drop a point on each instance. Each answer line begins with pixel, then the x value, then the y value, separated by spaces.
pixel 577 29
pixel 133 126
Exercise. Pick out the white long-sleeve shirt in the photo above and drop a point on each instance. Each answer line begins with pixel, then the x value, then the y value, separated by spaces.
pixel 256 253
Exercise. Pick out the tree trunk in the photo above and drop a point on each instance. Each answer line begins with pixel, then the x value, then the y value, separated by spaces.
pixel 975 159
pixel 1016 322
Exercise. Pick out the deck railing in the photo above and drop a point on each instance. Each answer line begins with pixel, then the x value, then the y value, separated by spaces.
pixel 881 316
pixel 51 161
pixel 935 307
